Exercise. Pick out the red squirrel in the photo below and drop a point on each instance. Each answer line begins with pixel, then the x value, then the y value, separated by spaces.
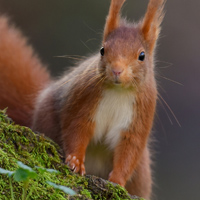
pixel 101 112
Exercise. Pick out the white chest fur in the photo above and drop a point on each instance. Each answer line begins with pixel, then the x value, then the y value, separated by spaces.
pixel 114 114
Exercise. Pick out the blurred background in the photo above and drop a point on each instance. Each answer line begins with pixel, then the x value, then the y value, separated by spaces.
pixel 74 27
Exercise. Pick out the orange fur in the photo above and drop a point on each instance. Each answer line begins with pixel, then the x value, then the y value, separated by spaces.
pixel 141 181
pixel 76 122
pixel 113 18
pixel 152 21
pixel 107 101
pixel 21 74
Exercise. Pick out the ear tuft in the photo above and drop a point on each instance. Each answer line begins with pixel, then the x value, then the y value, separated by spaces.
pixel 152 21
pixel 113 19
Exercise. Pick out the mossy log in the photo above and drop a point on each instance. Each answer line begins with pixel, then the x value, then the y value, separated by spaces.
pixel 18 143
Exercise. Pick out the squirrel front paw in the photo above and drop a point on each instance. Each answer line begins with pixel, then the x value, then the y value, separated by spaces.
pixel 75 164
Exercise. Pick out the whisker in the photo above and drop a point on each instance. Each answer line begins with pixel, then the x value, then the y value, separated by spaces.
pixel 66 82
pixel 159 86
pixel 168 79
pixel 90 27
pixel 169 109
pixel 76 56
pixel 90 81
pixel 165 111
pixel 90 40
pixel 161 124
pixel 70 57
pixel 168 64
pixel 165 67
pixel 79 75
pixel 87 70
pixel 163 36
pixel 86 46
pixel 101 80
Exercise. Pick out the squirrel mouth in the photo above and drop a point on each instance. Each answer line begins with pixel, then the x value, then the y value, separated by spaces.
pixel 117 82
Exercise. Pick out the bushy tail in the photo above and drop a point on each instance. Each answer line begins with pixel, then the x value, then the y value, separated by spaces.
pixel 22 75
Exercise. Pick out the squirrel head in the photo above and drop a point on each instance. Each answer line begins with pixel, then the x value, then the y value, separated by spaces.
pixel 127 51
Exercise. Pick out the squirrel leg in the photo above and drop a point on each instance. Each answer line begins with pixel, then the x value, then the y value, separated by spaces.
pixel 76 138
pixel 126 157
pixel 140 183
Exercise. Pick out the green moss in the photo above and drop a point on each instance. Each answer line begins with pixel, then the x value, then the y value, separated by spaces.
pixel 19 143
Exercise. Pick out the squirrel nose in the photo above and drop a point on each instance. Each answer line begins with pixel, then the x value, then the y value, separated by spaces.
pixel 117 72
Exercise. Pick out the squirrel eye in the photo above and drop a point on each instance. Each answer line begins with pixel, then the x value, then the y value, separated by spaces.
pixel 141 56
pixel 102 51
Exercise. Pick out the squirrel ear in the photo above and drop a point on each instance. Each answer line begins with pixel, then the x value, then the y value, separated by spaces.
pixel 152 21
pixel 113 19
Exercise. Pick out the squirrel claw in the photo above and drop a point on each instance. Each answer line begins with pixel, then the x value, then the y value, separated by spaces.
pixel 75 164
